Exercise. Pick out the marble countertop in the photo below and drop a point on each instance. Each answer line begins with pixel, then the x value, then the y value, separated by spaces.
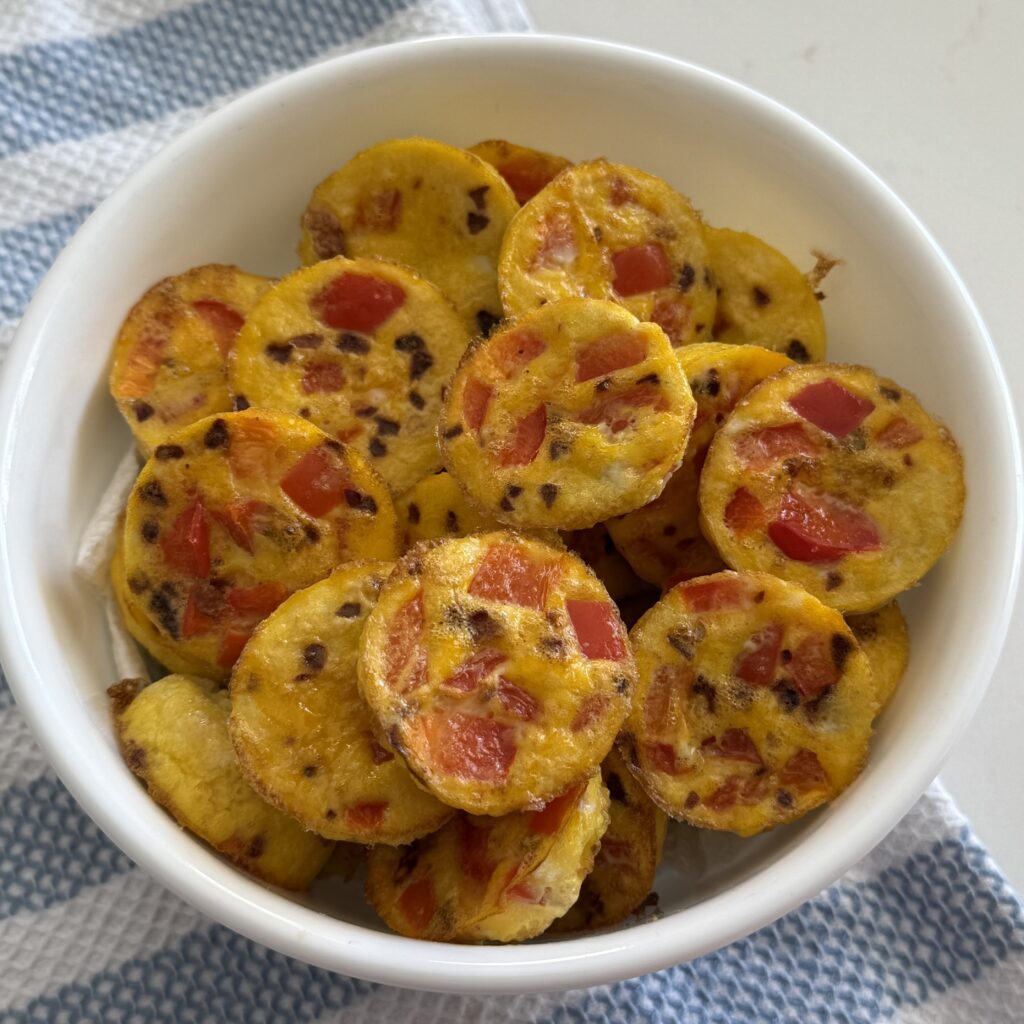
pixel 929 96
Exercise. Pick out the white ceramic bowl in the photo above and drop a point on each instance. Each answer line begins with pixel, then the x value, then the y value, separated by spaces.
pixel 231 190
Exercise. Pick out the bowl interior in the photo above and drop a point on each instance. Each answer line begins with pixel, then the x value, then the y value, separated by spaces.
pixel 232 191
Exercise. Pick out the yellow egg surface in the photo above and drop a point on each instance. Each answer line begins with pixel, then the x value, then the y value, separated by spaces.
pixel 754 703
pixel 498 667
pixel 883 637
pixel 763 299
pixel 174 736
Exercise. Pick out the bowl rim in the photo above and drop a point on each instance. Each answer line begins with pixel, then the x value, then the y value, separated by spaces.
pixel 316 938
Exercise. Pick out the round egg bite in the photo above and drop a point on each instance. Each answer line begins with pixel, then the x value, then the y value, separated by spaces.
pixel 432 207
pixel 763 299
pixel 663 541
pixel 754 703
pixel 575 413
pixel 174 735
pixel 360 348
pixel 232 515
pixel 304 738
pixel 499 879
pixel 883 637
pixel 171 353
pixel 612 232
pixel 625 866
pixel 525 170
pixel 498 667
pixel 834 478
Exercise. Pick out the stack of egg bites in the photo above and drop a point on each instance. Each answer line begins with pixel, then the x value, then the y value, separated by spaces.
pixel 400 507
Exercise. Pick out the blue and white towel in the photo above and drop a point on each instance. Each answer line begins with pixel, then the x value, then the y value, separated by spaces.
pixel 923 930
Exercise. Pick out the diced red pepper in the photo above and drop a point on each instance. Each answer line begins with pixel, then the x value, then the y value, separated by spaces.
pixel 764 446
pixel 225 321
pixel 804 771
pixel 831 407
pixel 252 452
pixel 548 820
pixel 735 745
pixel 367 815
pixel 736 790
pixel 403 639
pixel 516 701
pixel 237 518
pixel 557 246
pixel 322 377
pixel 812 665
pixel 231 646
pixel 620 193
pixel 357 302
pixel 617 411
pixel 527 437
pixel 527 175
pixel 744 512
pixel 673 315
pixel 380 211
pixel 316 483
pixel 472 748
pixel 755 664
pixel 204 607
pixel 186 542
pixel 417 904
pixel 509 574
pixel 141 367
pixel 666 697
pixel 644 268
pixel 258 600
pixel 473 843
pixel 661 757
pixel 598 629
pixel 470 674
pixel 899 433
pixel 511 350
pixel 820 528
pixel 610 353
pixel 714 595
pixel 475 398
pixel 590 711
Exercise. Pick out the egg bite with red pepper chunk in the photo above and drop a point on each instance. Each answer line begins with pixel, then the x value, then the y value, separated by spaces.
pixel 498 667
pixel 754 703
pixel 437 209
pixel 526 170
pixel 834 478
pixel 624 868
pixel 171 353
pixel 173 735
pixel 574 413
pixel 304 737
pixel 360 348
pixel 233 514
pixel 491 879
pixel 612 232
pixel 663 541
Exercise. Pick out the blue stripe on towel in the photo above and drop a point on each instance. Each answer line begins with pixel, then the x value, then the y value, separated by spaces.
pixel 74 88
pixel 49 848
pixel 27 252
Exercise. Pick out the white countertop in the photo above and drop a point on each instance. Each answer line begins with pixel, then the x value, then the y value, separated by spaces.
pixel 930 96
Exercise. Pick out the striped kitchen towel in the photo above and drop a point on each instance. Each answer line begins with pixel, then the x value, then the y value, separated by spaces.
pixel 924 929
